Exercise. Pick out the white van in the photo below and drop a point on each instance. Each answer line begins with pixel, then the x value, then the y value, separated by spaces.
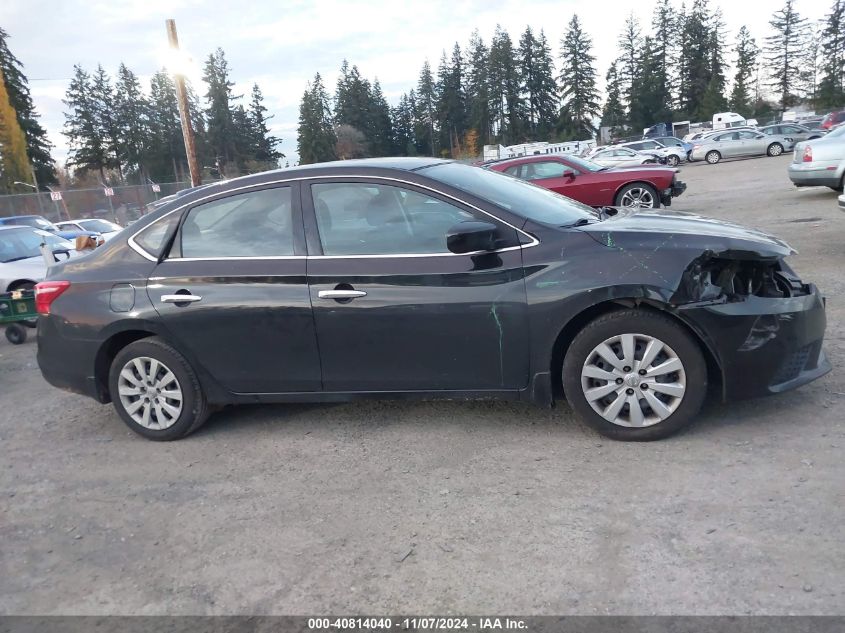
pixel 722 120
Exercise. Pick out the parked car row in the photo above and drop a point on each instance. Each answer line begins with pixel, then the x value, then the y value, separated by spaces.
pixel 21 262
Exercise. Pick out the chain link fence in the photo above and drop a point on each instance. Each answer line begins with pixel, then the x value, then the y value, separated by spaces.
pixel 128 203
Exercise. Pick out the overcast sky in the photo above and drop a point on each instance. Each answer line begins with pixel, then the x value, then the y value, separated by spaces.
pixel 281 44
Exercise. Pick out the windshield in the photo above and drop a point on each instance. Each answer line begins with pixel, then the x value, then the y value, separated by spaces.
pixel 583 163
pixel 33 221
pixel 17 244
pixel 517 196
pixel 99 226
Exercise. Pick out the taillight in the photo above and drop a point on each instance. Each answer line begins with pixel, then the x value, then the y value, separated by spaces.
pixel 808 154
pixel 46 292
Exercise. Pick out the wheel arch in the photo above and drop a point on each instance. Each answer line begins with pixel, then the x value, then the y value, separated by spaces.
pixel 576 323
pixel 107 352
pixel 18 283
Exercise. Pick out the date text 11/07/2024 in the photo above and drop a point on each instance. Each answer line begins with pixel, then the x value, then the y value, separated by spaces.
pixel 418 624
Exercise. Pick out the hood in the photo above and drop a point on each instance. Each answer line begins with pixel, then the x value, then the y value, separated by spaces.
pixel 679 226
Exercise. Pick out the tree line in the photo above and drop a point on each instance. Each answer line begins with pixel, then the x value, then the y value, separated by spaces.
pixel 124 134
pixel 674 68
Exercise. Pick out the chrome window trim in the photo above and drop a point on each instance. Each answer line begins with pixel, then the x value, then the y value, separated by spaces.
pixel 138 249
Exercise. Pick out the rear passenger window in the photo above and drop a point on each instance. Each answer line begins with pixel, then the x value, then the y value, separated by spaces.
pixel 253 224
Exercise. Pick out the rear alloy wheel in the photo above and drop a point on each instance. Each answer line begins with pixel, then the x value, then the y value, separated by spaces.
pixel 775 149
pixel 713 157
pixel 673 161
pixel 637 196
pixel 635 375
pixel 155 390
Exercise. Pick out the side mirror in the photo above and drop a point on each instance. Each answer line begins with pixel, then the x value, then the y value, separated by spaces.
pixel 568 173
pixel 471 236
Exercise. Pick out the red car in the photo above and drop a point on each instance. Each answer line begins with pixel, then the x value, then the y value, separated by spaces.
pixel 592 184
pixel 833 119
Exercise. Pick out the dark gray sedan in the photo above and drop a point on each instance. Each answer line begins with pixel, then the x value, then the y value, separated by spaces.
pixel 797 133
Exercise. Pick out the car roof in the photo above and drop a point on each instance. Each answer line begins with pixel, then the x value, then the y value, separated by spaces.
pixel 6 227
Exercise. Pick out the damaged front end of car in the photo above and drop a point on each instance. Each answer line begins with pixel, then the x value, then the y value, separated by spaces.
pixel 764 325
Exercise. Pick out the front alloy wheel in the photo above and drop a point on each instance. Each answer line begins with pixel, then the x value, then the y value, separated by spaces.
pixel 635 374
pixel 637 196
pixel 633 380
pixel 673 160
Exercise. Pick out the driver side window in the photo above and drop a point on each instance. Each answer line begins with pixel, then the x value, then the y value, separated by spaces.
pixel 362 218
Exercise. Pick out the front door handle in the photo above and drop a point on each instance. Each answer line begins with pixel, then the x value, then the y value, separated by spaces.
pixel 341 294
pixel 180 298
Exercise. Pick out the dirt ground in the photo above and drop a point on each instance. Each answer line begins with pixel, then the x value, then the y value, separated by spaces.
pixel 396 507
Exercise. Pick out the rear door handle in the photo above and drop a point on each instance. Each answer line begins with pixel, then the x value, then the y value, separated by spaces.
pixel 341 294
pixel 180 298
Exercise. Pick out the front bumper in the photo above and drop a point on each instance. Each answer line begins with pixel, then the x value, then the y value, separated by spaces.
pixel 674 191
pixel 764 345
pixel 818 174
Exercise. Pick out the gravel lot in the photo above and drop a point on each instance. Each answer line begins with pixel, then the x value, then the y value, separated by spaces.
pixel 394 507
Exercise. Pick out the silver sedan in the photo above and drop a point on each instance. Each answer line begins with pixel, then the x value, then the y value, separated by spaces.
pixel 621 157
pixel 734 143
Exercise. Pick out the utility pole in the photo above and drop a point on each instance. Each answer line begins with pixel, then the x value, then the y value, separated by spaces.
pixel 184 111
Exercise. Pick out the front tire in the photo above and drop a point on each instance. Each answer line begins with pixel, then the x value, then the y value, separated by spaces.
pixel 775 149
pixel 713 157
pixel 638 196
pixel 155 391
pixel 673 161
pixel 635 375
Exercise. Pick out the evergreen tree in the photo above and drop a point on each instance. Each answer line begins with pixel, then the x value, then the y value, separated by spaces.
pixel 784 52
pixel 613 112
pixel 105 108
pixel 17 88
pixel 263 143
pixel 477 88
pixel 579 95
pixel 544 89
pixel 831 91
pixel 663 53
pixel 165 152
pixel 714 95
pixel 505 104
pixel 88 147
pixel 630 62
pixel 381 128
pixel 14 163
pixel 316 138
pixel 132 118
pixel 538 86
pixel 403 128
pixel 451 100
pixel 746 61
pixel 696 60
pixel 221 134
pixel 354 102
pixel 426 100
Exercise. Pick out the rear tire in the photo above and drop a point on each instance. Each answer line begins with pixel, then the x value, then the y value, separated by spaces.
pixel 666 400
pixel 15 334
pixel 775 149
pixel 155 391
pixel 713 157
